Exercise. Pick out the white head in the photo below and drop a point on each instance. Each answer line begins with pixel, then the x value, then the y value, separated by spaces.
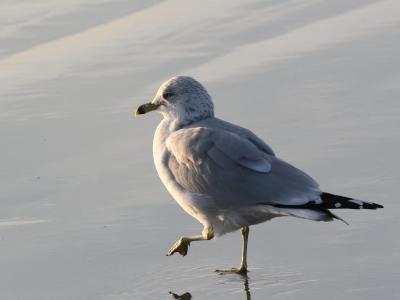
pixel 181 100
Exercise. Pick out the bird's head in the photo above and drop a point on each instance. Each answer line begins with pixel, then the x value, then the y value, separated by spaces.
pixel 180 99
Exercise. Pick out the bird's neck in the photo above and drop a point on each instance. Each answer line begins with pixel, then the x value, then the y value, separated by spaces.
pixel 181 117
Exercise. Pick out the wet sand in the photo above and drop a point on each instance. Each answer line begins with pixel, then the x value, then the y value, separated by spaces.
pixel 83 214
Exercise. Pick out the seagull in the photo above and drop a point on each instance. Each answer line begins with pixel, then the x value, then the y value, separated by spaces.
pixel 225 176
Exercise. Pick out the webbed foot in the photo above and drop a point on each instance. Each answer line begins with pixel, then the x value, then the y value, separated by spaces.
pixel 181 246
pixel 241 271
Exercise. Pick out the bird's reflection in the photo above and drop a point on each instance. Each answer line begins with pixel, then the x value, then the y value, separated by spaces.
pixel 246 287
pixel 185 296
pixel 188 296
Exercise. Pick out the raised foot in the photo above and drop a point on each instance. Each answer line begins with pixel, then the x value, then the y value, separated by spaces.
pixel 181 246
pixel 241 271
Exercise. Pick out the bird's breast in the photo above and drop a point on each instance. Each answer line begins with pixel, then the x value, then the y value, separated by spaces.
pixel 187 200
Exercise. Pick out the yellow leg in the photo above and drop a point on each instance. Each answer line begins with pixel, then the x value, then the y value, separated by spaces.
pixel 245 234
pixel 182 245
pixel 243 264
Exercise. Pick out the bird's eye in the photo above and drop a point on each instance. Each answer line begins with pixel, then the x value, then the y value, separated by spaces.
pixel 167 95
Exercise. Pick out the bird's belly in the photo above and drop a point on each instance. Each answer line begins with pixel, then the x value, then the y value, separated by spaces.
pixel 233 219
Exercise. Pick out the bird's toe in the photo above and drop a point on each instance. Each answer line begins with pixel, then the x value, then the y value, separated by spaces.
pixel 241 271
pixel 181 246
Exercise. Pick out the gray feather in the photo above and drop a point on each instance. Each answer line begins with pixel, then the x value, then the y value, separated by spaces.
pixel 233 167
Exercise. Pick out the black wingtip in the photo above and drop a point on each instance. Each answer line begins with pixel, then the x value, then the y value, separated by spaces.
pixel 370 205
pixel 332 201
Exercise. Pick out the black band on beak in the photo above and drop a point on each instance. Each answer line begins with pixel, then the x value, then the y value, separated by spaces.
pixel 140 110
pixel 145 108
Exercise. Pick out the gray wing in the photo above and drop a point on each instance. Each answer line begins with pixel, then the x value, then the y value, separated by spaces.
pixel 234 170
pixel 215 123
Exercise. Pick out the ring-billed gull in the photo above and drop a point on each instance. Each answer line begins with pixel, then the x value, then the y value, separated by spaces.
pixel 224 175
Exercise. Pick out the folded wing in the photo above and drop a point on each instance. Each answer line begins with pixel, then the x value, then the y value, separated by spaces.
pixel 234 171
